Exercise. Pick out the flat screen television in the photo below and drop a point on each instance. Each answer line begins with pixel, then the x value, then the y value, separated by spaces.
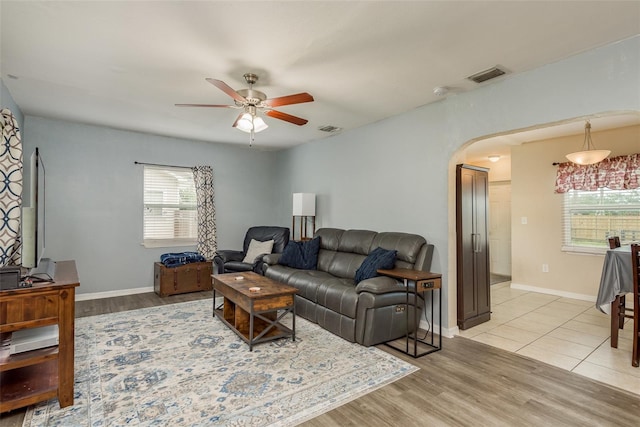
pixel 33 216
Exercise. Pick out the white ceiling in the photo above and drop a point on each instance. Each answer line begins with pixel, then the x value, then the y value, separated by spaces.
pixel 501 145
pixel 125 64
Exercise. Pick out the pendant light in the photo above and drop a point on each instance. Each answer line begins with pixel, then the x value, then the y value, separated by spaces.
pixel 589 155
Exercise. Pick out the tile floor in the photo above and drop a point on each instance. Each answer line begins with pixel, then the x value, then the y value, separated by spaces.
pixel 568 333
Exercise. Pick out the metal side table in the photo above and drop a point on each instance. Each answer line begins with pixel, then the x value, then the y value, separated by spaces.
pixel 418 282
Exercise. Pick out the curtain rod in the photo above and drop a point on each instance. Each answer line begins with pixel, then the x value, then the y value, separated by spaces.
pixel 156 164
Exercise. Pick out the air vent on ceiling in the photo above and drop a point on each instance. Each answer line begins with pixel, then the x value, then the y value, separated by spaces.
pixel 329 128
pixel 485 75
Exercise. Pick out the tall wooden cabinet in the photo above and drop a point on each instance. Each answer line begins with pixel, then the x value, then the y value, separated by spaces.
pixel 472 228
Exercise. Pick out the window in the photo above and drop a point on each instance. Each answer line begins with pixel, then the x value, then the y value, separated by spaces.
pixel 591 217
pixel 170 213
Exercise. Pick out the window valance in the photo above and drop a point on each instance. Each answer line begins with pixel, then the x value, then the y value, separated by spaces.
pixel 615 173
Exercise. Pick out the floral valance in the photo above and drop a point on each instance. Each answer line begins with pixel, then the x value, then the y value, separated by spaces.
pixel 615 173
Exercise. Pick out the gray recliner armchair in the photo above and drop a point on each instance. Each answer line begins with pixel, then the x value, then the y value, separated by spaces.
pixel 229 261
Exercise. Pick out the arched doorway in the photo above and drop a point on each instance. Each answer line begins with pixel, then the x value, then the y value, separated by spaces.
pixel 477 152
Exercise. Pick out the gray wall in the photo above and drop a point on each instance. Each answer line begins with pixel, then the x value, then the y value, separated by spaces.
pixel 398 174
pixel 94 196
pixel 394 175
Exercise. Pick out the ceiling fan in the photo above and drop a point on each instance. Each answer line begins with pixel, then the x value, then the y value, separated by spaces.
pixel 252 101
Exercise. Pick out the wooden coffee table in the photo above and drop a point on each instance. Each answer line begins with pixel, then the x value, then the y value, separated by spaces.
pixel 253 314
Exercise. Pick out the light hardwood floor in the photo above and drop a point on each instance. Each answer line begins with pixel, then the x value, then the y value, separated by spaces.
pixel 466 384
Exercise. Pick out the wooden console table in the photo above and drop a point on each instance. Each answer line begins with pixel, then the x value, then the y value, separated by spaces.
pixel 417 282
pixel 42 374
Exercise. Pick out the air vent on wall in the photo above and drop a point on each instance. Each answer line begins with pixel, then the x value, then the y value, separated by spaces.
pixel 329 128
pixel 485 75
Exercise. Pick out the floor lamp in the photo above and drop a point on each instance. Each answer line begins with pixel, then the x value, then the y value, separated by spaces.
pixel 304 206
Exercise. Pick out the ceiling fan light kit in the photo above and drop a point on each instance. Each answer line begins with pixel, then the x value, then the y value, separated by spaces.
pixel 589 155
pixel 252 101
pixel 248 123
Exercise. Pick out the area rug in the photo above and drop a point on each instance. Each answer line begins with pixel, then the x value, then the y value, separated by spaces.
pixel 175 365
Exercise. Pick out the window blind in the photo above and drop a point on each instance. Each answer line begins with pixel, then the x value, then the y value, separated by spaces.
pixel 591 217
pixel 170 210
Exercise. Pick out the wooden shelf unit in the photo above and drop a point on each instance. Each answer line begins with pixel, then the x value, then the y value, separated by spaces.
pixel 42 374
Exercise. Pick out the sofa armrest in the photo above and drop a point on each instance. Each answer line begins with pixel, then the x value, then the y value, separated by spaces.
pixel 271 259
pixel 228 255
pixel 259 264
pixel 380 285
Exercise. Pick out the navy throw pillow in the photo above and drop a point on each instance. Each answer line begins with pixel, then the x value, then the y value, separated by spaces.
pixel 377 259
pixel 303 255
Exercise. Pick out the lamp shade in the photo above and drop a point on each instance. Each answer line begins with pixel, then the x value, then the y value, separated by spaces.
pixel 588 157
pixel 259 125
pixel 304 204
pixel 245 124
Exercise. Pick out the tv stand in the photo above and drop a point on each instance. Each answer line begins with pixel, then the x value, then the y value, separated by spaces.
pixel 44 373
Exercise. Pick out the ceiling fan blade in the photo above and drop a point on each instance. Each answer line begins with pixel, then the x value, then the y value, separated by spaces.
pixel 205 105
pixel 226 89
pixel 235 124
pixel 298 98
pixel 286 117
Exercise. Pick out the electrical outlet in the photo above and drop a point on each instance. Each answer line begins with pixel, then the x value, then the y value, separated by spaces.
pixel 545 268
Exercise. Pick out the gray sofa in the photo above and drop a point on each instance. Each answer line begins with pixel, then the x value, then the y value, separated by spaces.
pixel 369 313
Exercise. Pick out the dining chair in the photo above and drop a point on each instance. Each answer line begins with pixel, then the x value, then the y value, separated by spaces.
pixel 614 242
pixel 635 261
pixel 619 309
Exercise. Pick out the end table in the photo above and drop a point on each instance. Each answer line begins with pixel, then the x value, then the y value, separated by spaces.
pixel 417 282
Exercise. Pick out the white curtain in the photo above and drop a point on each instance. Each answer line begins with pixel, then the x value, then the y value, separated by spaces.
pixel 10 190
pixel 203 179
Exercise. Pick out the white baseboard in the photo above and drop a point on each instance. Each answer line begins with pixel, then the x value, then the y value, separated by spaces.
pixel 451 332
pixel 446 332
pixel 583 297
pixel 109 294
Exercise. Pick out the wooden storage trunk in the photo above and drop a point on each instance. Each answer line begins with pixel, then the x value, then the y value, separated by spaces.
pixel 192 277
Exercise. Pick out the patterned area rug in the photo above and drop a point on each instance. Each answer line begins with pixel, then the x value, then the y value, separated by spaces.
pixel 175 365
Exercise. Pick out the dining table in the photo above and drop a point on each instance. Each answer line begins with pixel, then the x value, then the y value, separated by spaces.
pixel 615 282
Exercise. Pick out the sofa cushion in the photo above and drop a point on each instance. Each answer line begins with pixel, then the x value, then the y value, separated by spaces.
pixel 257 248
pixel 378 258
pixel 338 295
pixel 309 281
pixel 345 264
pixel 306 281
pixel 329 238
pixel 356 241
pixel 303 255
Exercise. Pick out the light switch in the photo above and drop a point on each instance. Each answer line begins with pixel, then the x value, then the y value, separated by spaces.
pixel 523 220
